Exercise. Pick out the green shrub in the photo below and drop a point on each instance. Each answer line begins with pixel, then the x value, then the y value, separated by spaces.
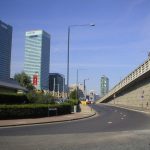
pixel 39 98
pixel 32 110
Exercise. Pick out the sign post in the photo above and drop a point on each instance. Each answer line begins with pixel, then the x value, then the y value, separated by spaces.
pixel 142 97
pixel 52 110
pixel 114 98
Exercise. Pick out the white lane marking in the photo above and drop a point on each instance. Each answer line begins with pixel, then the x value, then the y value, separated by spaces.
pixel 109 122
pixel 116 110
pixel 122 118
pixel 121 113
pixel 124 115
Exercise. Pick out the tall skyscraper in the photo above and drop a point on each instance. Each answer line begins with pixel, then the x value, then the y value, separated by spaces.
pixel 104 85
pixel 5 50
pixel 37 58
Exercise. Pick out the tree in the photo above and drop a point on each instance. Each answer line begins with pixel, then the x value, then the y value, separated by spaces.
pixel 40 98
pixel 24 80
pixel 73 94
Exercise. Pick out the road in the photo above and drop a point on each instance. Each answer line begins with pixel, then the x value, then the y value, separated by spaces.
pixel 112 128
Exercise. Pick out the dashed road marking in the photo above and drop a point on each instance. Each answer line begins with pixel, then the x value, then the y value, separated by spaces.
pixel 109 122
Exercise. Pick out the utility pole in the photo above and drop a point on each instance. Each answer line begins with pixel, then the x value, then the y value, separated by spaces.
pixel 54 88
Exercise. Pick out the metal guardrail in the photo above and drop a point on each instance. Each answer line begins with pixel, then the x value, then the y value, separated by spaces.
pixel 139 71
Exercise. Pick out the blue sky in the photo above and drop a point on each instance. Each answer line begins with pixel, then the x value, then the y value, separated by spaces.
pixel 117 44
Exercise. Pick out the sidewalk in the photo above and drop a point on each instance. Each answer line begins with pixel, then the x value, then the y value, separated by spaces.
pixel 86 112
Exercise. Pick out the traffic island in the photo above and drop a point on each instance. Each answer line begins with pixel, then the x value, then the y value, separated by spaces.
pixel 85 112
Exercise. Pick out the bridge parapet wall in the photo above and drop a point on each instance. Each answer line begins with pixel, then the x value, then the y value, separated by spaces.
pixel 137 95
pixel 138 73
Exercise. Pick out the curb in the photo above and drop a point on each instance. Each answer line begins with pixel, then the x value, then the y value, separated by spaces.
pixel 48 122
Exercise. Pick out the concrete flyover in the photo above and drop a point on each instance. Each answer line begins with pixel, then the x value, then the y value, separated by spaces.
pixel 133 90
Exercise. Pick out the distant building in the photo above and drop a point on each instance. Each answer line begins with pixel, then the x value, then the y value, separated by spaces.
pixel 5 50
pixel 104 85
pixel 80 89
pixel 37 58
pixel 56 82
pixel 74 86
pixel 92 95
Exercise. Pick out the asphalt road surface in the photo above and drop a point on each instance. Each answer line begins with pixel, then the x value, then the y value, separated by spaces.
pixel 111 129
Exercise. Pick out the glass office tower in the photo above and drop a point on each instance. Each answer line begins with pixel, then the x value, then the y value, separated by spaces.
pixel 104 85
pixel 37 57
pixel 5 50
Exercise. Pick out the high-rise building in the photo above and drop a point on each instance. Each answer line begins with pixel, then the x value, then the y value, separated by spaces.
pixel 37 58
pixel 104 85
pixel 7 85
pixel 5 50
pixel 56 82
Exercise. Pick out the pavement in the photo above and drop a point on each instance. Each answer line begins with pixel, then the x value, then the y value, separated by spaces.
pixel 86 112
pixel 114 129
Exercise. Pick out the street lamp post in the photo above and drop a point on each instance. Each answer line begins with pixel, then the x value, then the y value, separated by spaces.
pixel 68 52
pixel 77 86
pixel 54 87
pixel 58 90
pixel 68 62
pixel 85 88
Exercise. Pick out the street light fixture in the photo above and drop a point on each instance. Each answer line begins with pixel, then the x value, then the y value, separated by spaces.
pixel 69 27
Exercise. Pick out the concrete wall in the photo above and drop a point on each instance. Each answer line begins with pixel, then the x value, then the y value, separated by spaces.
pixel 137 95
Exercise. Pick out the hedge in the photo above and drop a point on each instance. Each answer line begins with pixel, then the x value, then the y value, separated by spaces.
pixel 73 102
pixel 13 98
pixel 32 110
